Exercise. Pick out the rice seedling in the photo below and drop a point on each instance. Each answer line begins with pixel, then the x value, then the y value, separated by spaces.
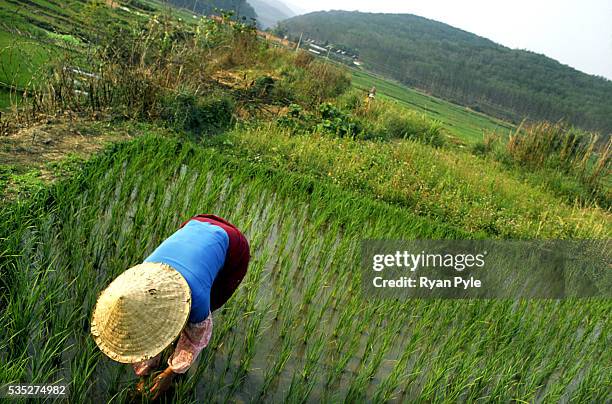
pixel 298 329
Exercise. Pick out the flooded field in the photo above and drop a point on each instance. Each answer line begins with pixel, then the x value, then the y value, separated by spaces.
pixel 298 329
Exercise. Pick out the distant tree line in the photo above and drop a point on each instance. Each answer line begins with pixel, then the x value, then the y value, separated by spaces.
pixel 465 68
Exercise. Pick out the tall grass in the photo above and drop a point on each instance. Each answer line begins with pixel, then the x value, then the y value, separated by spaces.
pixel 166 70
pixel 572 163
pixel 473 194
pixel 159 69
pixel 560 146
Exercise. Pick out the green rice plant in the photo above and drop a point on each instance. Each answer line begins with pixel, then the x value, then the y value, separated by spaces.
pixel 303 381
pixel 388 387
pixel 274 371
pixel 299 314
pixel 247 355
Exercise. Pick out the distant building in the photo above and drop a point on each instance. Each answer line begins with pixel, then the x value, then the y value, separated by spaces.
pixel 317 47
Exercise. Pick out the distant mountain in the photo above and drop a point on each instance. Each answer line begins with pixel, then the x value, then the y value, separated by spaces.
pixel 269 12
pixel 464 67
pixel 241 8
pixel 296 7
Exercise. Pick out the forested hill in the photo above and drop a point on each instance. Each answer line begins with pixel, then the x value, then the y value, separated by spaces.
pixel 207 7
pixel 464 67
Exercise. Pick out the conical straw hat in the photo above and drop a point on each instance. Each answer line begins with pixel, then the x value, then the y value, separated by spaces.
pixel 141 312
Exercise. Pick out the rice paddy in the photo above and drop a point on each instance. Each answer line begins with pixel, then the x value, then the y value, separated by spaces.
pixel 298 329
pixel 461 122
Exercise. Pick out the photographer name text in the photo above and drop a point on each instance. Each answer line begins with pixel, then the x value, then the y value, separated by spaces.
pixel 412 262
pixel 423 282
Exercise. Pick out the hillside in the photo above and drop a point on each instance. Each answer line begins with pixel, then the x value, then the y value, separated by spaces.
pixel 270 12
pixel 207 7
pixel 137 119
pixel 464 67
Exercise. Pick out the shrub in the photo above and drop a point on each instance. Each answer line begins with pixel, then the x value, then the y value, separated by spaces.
pixel 243 49
pixel 570 162
pixel 314 82
pixel 327 119
pixel 338 122
pixel 263 87
pixel 303 59
pixel 328 81
pixel 490 142
pixel 412 126
pixel 351 100
pixel 198 115
pixel 434 135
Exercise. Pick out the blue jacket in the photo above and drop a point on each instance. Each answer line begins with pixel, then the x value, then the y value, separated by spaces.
pixel 197 251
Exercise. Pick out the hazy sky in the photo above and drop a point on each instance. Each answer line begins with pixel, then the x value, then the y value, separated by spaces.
pixel 575 32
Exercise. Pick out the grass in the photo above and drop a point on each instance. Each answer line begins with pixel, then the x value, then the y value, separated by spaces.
pixel 466 125
pixel 22 59
pixel 7 98
pixel 448 185
pixel 573 164
pixel 304 235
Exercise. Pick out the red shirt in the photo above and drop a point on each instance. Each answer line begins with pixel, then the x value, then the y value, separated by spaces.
pixel 236 261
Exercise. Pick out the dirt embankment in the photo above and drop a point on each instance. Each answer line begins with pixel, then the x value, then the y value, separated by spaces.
pixel 36 153
pixel 52 140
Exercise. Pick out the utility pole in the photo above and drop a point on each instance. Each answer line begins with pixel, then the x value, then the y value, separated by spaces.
pixel 328 50
pixel 195 3
pixel 297 48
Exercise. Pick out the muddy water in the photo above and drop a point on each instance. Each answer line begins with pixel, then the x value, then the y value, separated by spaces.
pixel 287 256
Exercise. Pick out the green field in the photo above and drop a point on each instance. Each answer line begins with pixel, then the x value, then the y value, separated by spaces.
pixel 307 170
pixel 298 329
pixel 450 186
pixel 23 59
pixel 461 122
pixel 45 31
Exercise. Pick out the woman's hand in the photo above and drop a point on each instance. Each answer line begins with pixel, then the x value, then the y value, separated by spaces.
pixel 140 387
pixel 162 383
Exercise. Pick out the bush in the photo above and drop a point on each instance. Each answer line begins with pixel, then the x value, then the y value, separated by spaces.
pixel 352 101
pixel 338 122
pixel 312 83
pixel 327 119
pixel 303 59
pixel 263 87
pixel 244 47
pixel 328 81
pixel 490 143
pixel 198 115
pixel 411 126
